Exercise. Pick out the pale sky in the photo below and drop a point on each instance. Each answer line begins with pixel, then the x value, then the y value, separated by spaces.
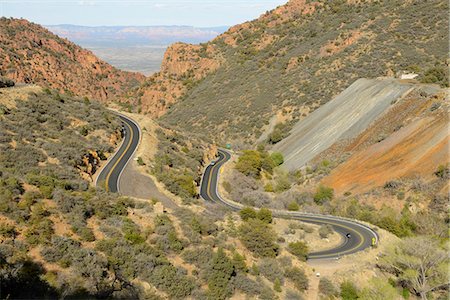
pixel 199 13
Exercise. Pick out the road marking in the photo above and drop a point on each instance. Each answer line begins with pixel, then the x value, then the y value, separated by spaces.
pixel 120 157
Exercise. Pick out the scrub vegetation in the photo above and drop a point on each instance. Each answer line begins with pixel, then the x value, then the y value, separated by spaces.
pixel 297 56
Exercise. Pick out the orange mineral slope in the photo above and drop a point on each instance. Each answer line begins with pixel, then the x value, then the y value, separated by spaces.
pixel 417 149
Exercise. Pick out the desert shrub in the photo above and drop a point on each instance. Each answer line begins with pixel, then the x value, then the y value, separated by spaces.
pixel 270 268
pixel 282 183
pixel 326 287
pixel 199 256
pixel 8 231
pixel 259 238
pixel 325 230
pixel 247 285
pixel 293 206
pixel 247 213
pixel 5 82
pixel 299 249
pixel 323 194
pixel 277 158
pixel 298 277
pixel 348 291
pixel 438 75
pixel 443 172
pixel 265 215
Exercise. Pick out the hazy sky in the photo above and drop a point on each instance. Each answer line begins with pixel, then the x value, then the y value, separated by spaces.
pixel 200 13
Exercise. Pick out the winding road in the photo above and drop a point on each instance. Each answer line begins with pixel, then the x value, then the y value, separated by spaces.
pixel 361 236
pixel 110 174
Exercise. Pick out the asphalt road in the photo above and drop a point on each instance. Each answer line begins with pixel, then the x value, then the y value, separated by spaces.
pixel 109 176
pixel 361 236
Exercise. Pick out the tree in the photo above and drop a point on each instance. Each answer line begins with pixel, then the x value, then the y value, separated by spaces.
pixel 379 289
pixel 259 238
pixel 348 291
pixel 299 249
pixel 222 269
pixel 250 163
pixel 420 263
pixel 239 262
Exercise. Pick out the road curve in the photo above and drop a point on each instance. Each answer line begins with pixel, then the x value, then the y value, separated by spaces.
pixel 109 176
pixel 361 236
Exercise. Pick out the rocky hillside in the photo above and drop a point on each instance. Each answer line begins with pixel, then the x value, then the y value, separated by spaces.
pixel 293 58
pixel 30 53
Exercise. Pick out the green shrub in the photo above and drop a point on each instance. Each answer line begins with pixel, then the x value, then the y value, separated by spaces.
pixel 247 213
pixel 293 206
pixel 323 194
pixel 348 291
pixel 259 238
pixel 298 277
pixel 277 158
pixel 299 249
pixel 265 215
pixel 140 161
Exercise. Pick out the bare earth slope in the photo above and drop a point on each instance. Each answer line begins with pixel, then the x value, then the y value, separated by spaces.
pixel 344 117
pixel 416 150
pixel 30 53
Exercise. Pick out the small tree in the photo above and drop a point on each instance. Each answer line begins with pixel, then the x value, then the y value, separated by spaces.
pixel 222 269
pixel 420 263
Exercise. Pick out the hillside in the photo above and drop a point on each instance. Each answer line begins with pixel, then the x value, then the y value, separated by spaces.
pixel 411 142
pixel 291 60
pixel 30 53
pixel 344 117
pixel 62 238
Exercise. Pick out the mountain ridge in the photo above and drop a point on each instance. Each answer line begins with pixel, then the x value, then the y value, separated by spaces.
pixel 32 54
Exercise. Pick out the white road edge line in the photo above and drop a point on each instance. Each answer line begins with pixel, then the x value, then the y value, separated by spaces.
pixel 134 151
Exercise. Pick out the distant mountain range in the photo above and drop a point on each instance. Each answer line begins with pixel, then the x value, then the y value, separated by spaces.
pixel 116 36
